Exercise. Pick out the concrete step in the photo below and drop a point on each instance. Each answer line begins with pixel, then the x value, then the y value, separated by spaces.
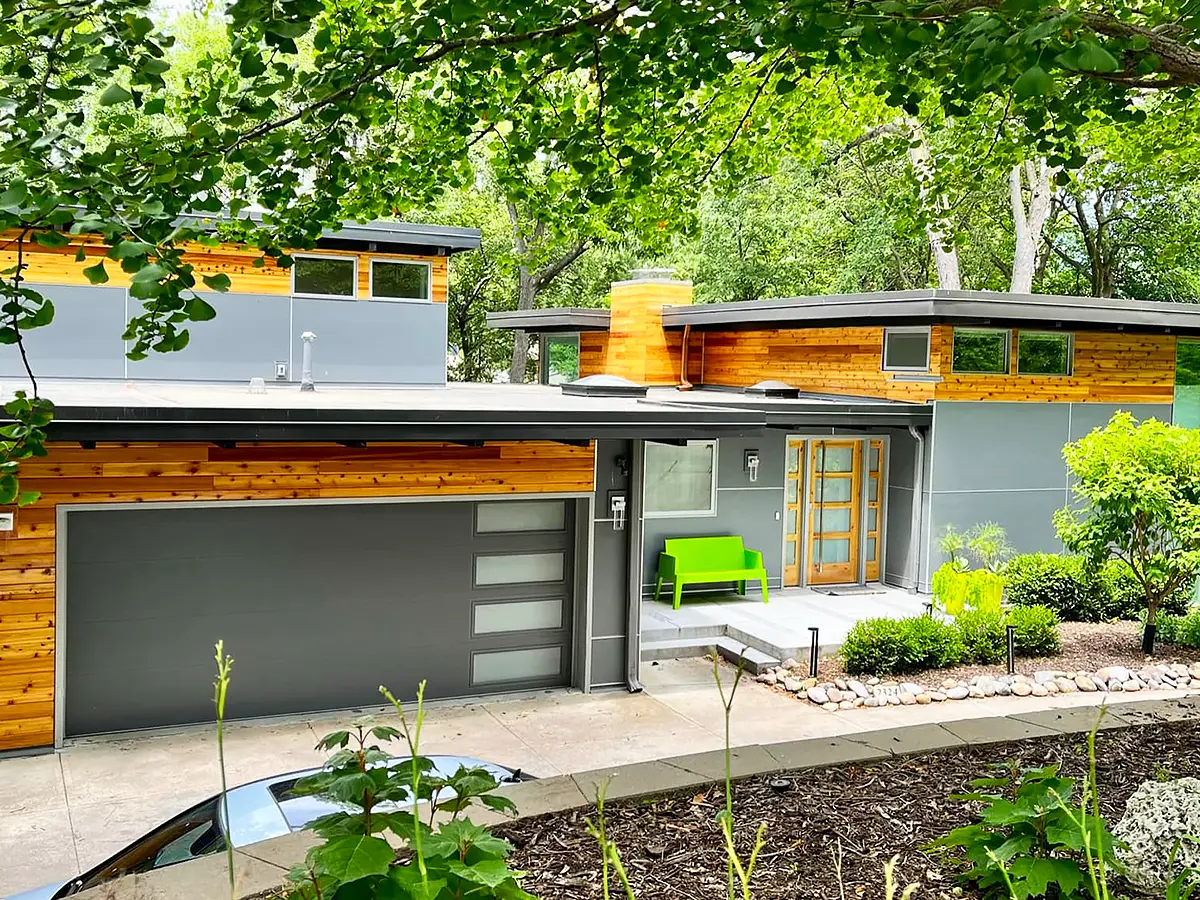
pixel 756 661
pixel 730 648
pixel 677 648
pixel 654 632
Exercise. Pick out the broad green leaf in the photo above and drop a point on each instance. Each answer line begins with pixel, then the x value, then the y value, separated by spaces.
pixel 96 274
pixel 487 872
pixel 130 249
pixel 409 878
pixel 13 196
pixel 358 856
pixel 52 238
pixel 199 310
pixel 1092 57
pixel 114 94
pixel 152 272
pixel 1034 82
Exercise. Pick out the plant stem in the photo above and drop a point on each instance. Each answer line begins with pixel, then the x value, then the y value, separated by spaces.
pixel 220 690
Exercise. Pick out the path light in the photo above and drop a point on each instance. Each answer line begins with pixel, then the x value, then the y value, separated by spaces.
pixel 1011 640
pixel 812 653
pixel 780 785
pixel 929 608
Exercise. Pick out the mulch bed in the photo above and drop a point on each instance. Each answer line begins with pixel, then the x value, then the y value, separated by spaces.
pixel 673 849
pixel 1086 646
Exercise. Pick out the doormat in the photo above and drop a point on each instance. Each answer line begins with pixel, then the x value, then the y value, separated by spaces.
pixel 850 590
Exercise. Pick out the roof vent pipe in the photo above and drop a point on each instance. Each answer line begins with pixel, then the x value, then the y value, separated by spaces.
pixel 306 376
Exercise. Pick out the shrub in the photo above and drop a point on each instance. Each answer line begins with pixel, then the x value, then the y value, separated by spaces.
pixel 1127 598
pixel 1036 630
pixel 1182 630
pixel 932 644
pixel 896 646
pixel 982 633
pixel 1065 584
pixel 955 590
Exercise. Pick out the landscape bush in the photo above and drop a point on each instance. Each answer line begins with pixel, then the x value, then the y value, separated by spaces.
pixel 982 633
pixel 1183 630
pixel 896 646
pixel 1080 592
pixel 956 589
pixel 1036 630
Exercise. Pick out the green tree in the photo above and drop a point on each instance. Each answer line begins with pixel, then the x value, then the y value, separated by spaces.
pixel 1138 493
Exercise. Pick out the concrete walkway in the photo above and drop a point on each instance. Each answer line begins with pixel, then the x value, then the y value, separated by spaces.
pixel 63 813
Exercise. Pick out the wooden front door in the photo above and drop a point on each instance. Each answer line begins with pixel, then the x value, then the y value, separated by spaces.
pixel 835 501
pixel 793 513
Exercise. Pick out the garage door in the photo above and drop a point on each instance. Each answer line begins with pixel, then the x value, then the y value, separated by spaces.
pixel 318 605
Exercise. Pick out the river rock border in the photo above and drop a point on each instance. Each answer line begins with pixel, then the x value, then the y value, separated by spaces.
pixel 850 693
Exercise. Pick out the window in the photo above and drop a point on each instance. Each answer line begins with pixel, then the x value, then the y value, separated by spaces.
pixel 519 568
pixel 325 276
pixel 524 515
pixel 520 615
pixel 516 665
pixel 681 481
pixel 399 280
pixel 1186 410
pixel 561 361
pixel 1044 353
pixel 980 351
pixel 906 349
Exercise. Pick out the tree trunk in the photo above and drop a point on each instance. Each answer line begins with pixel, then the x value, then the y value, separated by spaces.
pixel 1028 223
pixel 527 291
pixel 945 254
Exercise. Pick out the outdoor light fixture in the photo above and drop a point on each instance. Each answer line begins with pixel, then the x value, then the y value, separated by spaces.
pixel 616 505
pixel 751 464
pixel 813 651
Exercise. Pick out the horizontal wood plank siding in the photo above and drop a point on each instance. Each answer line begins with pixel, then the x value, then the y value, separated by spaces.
pixel 148 472
pixel 58 265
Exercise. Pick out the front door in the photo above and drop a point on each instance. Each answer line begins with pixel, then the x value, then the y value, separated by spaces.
pixel 835 500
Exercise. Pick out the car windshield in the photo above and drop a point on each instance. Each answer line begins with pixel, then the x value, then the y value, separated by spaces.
pixel 195 833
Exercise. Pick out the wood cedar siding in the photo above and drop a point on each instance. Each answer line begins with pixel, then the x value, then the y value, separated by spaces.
pixel 1108 367
pixel 57 265
pixel 147 472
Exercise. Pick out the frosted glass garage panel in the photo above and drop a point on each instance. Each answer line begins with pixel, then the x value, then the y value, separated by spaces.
pixel 505 516
pixel 523 615
pixel 519 568
pixel 516 665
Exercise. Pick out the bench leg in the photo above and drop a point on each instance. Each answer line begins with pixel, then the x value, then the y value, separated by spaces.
pixel 763 581
pixel 678 592
pixel 657 588
pixel 741 588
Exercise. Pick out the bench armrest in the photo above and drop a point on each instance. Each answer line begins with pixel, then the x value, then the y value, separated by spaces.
pixel 666 566
pixel 754 559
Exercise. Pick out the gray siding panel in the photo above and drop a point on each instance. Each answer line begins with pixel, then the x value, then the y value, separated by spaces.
pixel 83 341
pixel 319 605
pixel 249 334
pixel 608 663
pixel 372 341
pixel 610 571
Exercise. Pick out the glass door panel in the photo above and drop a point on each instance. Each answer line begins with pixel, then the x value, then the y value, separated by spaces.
pixel 792 514
pixel 875 488
pixel 834 523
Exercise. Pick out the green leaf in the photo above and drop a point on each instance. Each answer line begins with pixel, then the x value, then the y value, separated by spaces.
pixel 1092 57
pixel 152 272
pixel 96 274
pixel 155 107
pixel 129 249
pixel 219 282
pixel 490 873
pixel 1034 82
pixel 199 310
pixel 114 94
pixel 409 878
pixel 14 196
pixel 52 238
pixel 358 856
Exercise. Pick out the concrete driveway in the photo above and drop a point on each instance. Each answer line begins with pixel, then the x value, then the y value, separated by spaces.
pixel 62 813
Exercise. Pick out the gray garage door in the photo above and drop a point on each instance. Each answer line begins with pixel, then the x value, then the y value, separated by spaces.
pixel 318 605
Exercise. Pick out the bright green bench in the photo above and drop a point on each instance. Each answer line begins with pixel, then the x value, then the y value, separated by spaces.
pixel 701 560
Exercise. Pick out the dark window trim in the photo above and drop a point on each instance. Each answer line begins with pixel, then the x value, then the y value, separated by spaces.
pixel 907 329
pixel 1008 346
pixel 1069 335
pixel 296 257
pixel 428 266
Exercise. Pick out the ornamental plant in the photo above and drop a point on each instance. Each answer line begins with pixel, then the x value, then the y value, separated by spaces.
pixel 1137 488
pixel 383 796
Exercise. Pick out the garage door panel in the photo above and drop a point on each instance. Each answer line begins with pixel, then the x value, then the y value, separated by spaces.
pixel 318 605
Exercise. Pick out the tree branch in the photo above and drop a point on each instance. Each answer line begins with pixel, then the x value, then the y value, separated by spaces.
pixel 547 274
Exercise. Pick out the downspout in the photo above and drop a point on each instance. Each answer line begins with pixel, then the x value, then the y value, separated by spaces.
pixel 914 549
pixel 633 528
pixel 684 384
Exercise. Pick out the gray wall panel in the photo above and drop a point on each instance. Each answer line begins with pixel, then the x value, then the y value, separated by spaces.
pixel 1026 515
pixel 248 335
pixel 83 341
pixel 610 570
pixel 318 604
pixel 899 536
pixel 371 341
pixel 744 509
pixel 608 663
pixel 1086 416
pixel 989 445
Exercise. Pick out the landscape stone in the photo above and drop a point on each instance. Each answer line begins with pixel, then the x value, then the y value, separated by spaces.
pixel 795 685
pixel 789 663
pixel 950 683
pixel 1066 685
pixel 835 695
pixel 818 695
pixel 872 680
pixel 893 700
pixel 1045 677
pixel 846 704
pixel 1114 673
pixel 924 699
pixel 767 678
pixel 975 691
pixel 908 699
pixel 989 688
pixel 909 688
pixel 1004 690
pixel 1085 683
pixel 1052 687
pixel 1150 844
pixel 937 696
pixel 1116 686
pixel 831 707
pixel 1194 670
pixel 858 701
pixel 1179 669
pixel 1039 690
pixel 810 682
pixel 1021 689
pixel 1133 685
pixel 840 684
pixel 859 689
pixel 957 693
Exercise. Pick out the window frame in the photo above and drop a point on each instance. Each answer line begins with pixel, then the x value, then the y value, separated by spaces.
pixel 647 513
pixel 1008 349
pixel 544 342
pixel 1070 336
pixel 907 329
pixel 398 262
pixel 353 260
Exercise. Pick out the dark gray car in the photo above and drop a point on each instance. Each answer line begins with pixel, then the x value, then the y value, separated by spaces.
pixel 258 811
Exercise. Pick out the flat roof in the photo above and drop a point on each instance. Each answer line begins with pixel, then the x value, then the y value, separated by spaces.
pixel 563 318
pixel 383 234
pixel 937 306
pixel 191 411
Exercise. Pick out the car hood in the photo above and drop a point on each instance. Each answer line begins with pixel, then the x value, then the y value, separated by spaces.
pixel 46 892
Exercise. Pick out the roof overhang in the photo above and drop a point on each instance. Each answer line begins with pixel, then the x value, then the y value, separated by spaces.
pixel 931 307
pixel 382 236
pixel 553 320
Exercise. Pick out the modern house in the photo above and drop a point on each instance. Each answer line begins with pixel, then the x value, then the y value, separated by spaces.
pixel 388 527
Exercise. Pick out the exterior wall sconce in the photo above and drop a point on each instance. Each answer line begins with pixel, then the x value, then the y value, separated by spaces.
pixel 751 464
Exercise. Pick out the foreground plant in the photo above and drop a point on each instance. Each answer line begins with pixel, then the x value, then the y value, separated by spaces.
pixel 383 796
pixel 220 692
